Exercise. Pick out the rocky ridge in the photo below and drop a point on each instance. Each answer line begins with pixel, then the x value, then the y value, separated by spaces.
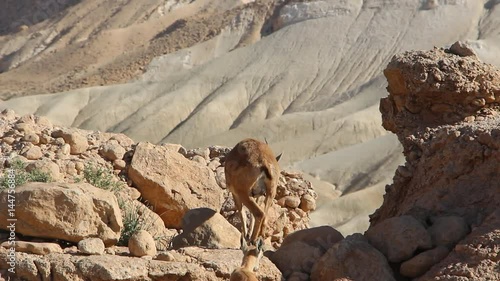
pixel 439 219
pixel 94 185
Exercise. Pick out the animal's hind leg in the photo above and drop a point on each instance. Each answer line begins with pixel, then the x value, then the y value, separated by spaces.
pixel 258 215
pixel 239 209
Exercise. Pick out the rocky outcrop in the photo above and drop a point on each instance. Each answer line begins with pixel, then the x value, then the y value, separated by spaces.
pixel 443 105
pixel 78 208
pixel 69 212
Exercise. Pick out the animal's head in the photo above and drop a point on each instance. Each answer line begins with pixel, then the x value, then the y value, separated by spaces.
pixel 253 251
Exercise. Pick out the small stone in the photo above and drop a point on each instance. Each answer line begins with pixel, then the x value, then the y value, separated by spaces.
pixel 469 119
pixel 165 256
pixel 58 141
pixel 91 246
pixel 22 127
pixel 112 151
pixel 214 164
pixel 119 164
pixel 45 139
pixel 462 49
pixel 32 137
pixel 78 143
pixel 9 140
pixel 71 168
pixel 142 244
pixel 34 153
pixel 9 114
pixel 289 201
pixel 199 159
pixel 220 177
pixel 79 166
pixel 65 149
pixel 307 203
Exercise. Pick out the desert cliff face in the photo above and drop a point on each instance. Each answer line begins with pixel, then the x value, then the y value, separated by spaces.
pixel 443 106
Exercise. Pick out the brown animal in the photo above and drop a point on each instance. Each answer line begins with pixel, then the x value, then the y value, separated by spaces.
pixel 252 170
pixel 250 263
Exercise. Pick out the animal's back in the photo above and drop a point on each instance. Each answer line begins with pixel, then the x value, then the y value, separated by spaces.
pixel 251 153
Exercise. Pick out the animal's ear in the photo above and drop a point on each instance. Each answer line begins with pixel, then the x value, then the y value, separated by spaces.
pixel 259 243
pixel 243 244
pixel 279 156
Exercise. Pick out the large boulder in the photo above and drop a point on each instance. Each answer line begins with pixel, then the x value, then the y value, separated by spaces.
pixel 399 237
pixel 353 258
pixel 205 228
pixel 63 211
pixel 302 249
pixel 171 183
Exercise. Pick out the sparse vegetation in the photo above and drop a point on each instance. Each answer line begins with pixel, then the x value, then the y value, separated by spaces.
pixel 21 176
pixel 135 218
pixel 100 177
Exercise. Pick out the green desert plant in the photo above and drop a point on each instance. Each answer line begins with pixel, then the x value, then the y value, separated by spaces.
pixel 136 217
pixel 100 177
pixel 18 168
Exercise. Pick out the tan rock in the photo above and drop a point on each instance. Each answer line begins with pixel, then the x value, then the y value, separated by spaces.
pixel 174 184
pixel 34 153
pixel 141 244
pixel 307 203
pixel 289 201
pixel 36 248
pixel 220 177
pixel 165 256
pixel 45 139
pixel 200 160
pixel 422 262
pixel 214 164
pixel 8 140
pixel 352 258
pixel 119 164
pixel 302 249
pixel 9 114
pixel 46 166
pixel 32 138
pixel 68 212
pixel 78 143
pixel 206 228
pixel 112 151
pixel 399 237
pixel 91 246
pixel 65 149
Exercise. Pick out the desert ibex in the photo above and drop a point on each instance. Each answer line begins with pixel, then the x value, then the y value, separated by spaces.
pixel 251 171
pixel 250 263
